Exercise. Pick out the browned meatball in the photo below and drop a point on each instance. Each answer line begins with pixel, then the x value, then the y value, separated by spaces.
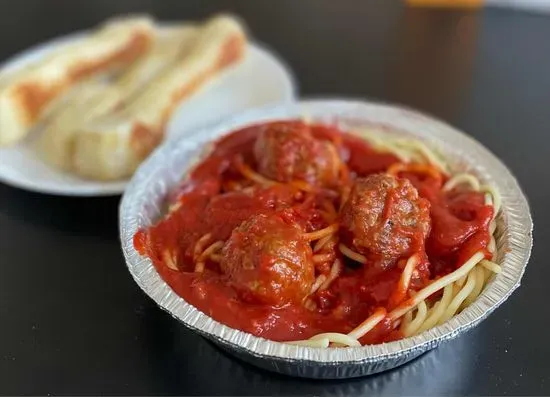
pixel 268 261
pixel 384 218
pixel 288 151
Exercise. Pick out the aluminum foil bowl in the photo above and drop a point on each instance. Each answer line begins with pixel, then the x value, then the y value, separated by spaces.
pixel 144 202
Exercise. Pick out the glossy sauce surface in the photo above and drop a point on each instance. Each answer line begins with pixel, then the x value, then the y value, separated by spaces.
pixel 216 199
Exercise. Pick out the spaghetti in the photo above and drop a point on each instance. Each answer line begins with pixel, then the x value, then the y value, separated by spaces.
pixel 305 234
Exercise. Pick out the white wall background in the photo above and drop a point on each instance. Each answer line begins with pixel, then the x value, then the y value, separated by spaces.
pixel 535 5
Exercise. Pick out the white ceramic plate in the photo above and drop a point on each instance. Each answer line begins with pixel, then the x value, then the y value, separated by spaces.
pixel 261 79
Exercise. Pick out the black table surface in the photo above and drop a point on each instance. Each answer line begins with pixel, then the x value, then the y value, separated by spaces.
pixel 72 321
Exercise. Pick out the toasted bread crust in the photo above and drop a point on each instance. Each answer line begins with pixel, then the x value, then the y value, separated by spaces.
pixel 91 99
pixel 141 124
pixel 25 100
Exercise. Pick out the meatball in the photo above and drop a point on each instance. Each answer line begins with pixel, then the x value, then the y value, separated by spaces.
pixel 288 151
pixel 268 261
pixel 384 219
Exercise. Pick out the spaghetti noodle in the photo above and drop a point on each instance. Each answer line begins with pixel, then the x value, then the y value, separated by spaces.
pixel 305 234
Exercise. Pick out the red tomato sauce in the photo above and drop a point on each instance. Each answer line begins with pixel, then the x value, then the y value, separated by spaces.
pixel 215 198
